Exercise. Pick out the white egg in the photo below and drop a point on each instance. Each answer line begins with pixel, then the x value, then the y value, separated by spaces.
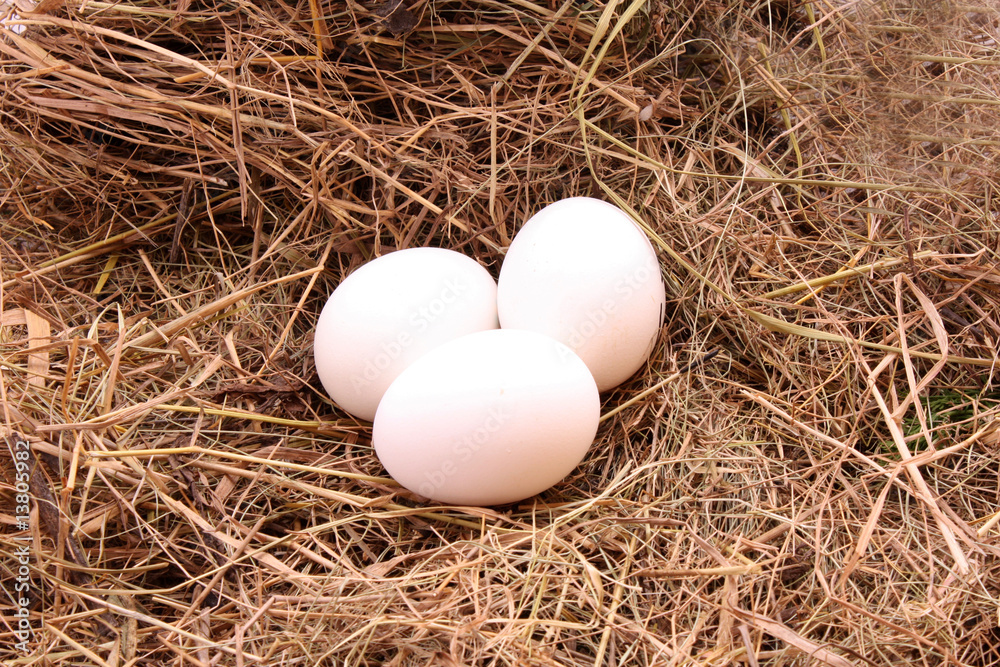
pixel 488 419
pixel 391 311
pixel 581 271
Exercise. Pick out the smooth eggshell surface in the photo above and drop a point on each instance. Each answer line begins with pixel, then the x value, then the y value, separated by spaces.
pixel 581 271
pixel 488 419
pixel 391 311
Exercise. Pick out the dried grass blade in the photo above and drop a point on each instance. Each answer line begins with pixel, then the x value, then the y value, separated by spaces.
pixel 789 636
pixel 940 335
pixel 843 274
pixel 194 449
pixel 312 426
pixel 721 571
pixel 155 622
pixel 104 245
pixel 13 317
pixel 866 533
pixel 170 329
pixel 799 184
pixel 113 370
pixel 781 326
pixel 112 418
pixel 39 336
pixel 919 484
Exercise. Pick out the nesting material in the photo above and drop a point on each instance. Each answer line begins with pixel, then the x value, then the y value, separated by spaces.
pixel 183 184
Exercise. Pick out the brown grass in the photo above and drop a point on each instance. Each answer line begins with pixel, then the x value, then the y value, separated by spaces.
pixel 183 183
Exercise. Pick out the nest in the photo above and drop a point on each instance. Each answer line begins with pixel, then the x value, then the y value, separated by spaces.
pixel 804 473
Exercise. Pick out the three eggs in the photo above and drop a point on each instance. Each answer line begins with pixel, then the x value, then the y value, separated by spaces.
pixel 483 392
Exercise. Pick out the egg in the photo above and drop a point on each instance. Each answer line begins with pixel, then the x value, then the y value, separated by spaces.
pixel 487 419
pixel 581 271
pixel 391 311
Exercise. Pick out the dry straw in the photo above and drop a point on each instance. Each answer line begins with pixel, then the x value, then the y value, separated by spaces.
pixel 182 184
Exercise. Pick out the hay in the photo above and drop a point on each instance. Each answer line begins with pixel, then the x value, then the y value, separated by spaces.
pixel 184 183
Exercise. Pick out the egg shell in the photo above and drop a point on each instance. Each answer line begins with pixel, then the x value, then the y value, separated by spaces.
pixel 391 311
pixel 488 419
pixel 581 271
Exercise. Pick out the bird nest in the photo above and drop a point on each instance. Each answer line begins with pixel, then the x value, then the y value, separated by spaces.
pixel 805 472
